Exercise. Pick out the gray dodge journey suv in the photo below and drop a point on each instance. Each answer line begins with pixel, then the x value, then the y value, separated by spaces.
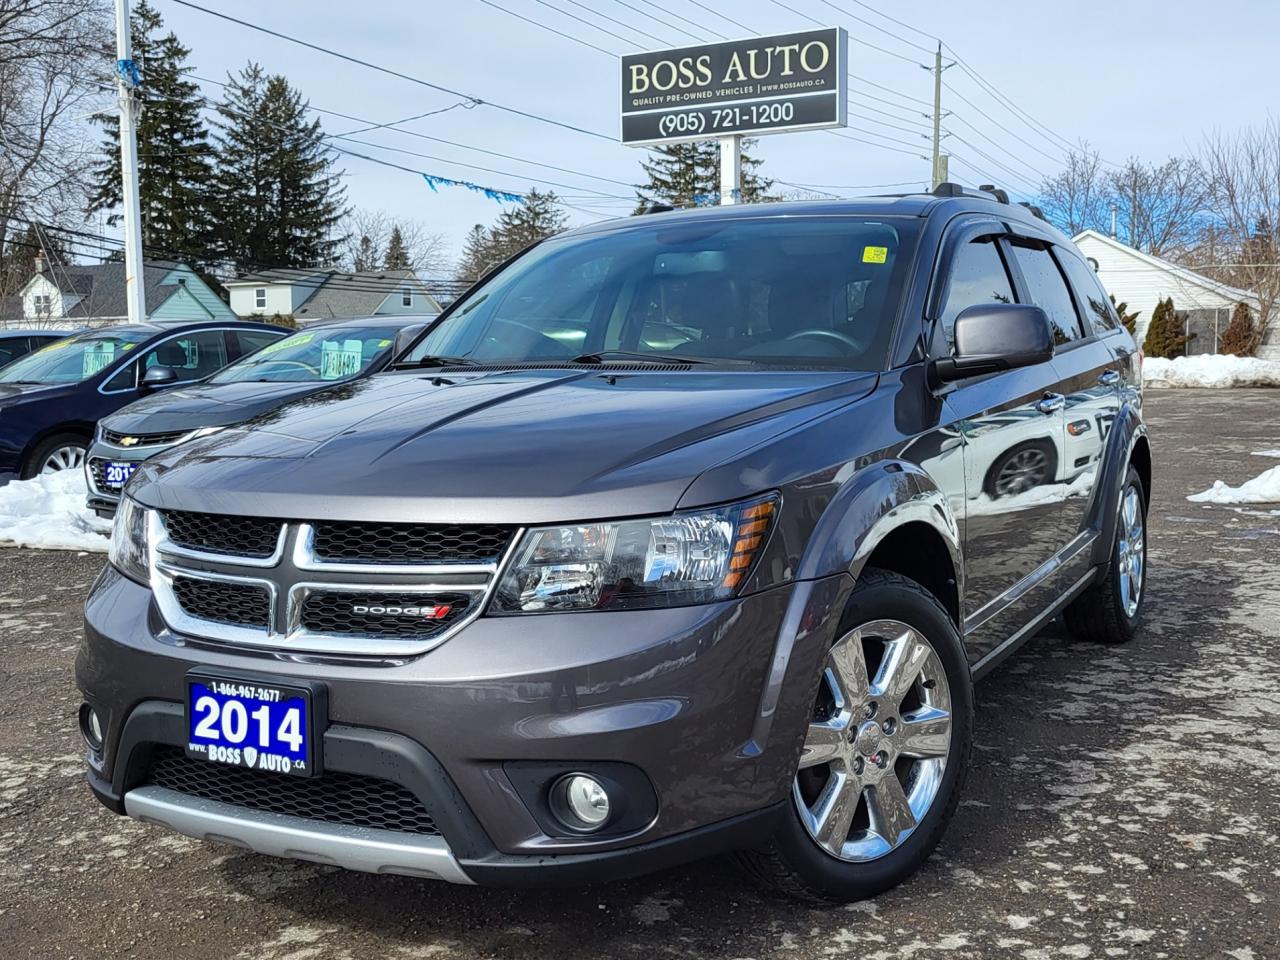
pixel 676 535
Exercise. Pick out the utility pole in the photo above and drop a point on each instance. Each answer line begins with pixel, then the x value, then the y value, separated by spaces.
pixel 127 88
pixel 939 173
pixel 730 169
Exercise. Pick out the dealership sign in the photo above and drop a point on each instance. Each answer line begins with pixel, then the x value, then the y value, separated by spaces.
pixel 795 81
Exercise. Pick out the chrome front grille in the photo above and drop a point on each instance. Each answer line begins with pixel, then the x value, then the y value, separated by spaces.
pixel 142 439
pixel 263 583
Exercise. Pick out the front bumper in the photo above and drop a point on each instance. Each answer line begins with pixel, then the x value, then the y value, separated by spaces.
pixel 709 703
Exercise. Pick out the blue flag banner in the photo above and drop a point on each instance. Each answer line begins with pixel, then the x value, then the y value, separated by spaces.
pixel 502 196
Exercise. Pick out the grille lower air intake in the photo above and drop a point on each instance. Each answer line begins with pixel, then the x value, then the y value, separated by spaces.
pixel 251 537
pixel 408 615
pixel 143 439
pixel 240 604
pixel 406 543
pixel 333 797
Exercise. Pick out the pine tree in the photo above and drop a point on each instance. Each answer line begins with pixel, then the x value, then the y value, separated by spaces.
pixel 1127 320
pixel 366 257
pixel 1241 336
pixel 525 223
pixel 276 196
pixel 174 168
pixel 1164 336
pixel 476 257
pixel 397 255
pixel 688 174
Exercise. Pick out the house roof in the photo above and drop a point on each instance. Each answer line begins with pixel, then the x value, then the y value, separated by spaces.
pixel 1183 274
pixel 355 294
pixel 101 287
pixel 279 275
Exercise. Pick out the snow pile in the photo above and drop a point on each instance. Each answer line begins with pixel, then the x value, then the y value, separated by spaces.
pixel 1211 370
pixel 1264 488
pixel 1274 454
pixel 49 511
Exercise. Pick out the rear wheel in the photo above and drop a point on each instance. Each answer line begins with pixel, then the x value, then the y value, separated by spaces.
pixel 1022 468
pixel 1109 610
pixel 63 451
pixel 885 752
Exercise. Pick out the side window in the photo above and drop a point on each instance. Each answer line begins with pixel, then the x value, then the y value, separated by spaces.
pixel 1097 305
pixel 260 298
pixel 253 340
pixel 978 275
pixel 192 357
pixel 126 378
pixel 1048 290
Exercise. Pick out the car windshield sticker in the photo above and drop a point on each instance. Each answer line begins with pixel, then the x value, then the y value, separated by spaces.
pixel 297 340
pixel 338 361
pixel 875 254
pixel 97 356
pixel 384 343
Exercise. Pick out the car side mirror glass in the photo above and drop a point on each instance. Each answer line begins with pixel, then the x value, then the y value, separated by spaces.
pixel 991 337
pixel 404 337
pixel 159 376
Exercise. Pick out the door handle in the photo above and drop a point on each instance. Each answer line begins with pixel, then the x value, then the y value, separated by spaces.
pixel 1051 403
pixel 1109 378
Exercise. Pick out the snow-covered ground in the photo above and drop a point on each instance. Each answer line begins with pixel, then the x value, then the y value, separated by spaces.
pixel 1211 370
pixel 1264 488
pixel 49 512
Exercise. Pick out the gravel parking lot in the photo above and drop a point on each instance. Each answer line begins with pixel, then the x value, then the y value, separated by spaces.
pixel 1123 802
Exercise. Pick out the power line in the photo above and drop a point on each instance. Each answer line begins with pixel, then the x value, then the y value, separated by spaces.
pixel 855 39
pixel 587 23
pixel 621 23
pixel 672 13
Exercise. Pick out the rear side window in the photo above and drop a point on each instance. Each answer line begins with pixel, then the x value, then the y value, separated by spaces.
pixel 1048 290
pixel 978 275
pixel 253 340
pixel 1097 306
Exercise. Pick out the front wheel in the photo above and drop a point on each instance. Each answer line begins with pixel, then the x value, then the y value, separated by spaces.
pixel 884 756
pixel 64 451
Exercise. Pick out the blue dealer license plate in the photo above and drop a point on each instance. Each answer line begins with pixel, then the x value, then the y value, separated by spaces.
pixel 255 723
pixel 118 474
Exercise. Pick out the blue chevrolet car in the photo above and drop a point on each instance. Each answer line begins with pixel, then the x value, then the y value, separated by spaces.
pixel 52 399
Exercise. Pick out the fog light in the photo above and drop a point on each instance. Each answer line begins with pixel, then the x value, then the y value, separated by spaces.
pixel 91 727
pixel 581 801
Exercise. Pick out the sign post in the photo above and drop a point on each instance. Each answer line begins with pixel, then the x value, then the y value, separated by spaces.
pixel 725 91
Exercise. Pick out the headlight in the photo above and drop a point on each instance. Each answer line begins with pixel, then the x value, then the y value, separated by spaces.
pixel 129 551
pixel 685 558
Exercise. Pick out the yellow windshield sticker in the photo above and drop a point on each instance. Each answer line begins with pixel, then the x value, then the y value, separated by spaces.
pixel 384 343
pixel 297 340
pixel 128 346
pixel 875 254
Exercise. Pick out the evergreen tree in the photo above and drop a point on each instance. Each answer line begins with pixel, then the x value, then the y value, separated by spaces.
pixel 366 257
pixel 1128 320
pixel 174 168
pixel 1165 338
pixel 475 254
pixel 276 196
pixel 1241 336
pixel 688 174
pixel 525 223
pixel 397 255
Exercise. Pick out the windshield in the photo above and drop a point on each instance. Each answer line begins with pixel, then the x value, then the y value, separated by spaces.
pixel 819 291
pixel 331 353
pixel 71 360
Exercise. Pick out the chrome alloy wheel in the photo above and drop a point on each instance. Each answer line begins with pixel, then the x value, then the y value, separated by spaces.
pixel 1131 551
pixel 67 457
pixel 1022 471
pixel 877 747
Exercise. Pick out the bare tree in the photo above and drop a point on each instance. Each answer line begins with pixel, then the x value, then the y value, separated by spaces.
pixel 1242 174
pixel 369 234
pixel 52 61
pixel 1160 208
pixel 1076 198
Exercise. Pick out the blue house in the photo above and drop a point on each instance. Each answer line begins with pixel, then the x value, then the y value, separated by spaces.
pixel 95 295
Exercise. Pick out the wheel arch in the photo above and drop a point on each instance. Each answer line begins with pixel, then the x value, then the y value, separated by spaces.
pixel 80 428
pixel 1127 445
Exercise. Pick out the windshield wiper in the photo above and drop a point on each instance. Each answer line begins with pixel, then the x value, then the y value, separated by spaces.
pixel 603 356
pixel 432 361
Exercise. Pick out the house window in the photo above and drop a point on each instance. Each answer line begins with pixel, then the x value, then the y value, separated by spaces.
pixel 260 298
pixel 43 304
pixel 406 296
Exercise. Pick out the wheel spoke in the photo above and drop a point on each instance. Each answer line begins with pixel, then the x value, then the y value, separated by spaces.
pixel 903 658
pixel 824 744
pixel 888 809
pixel 833 815
pixel 925 733
pixel 849 666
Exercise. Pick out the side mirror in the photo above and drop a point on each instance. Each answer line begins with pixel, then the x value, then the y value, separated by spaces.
pixel 991 337
pixel 404 337
pixel 159 376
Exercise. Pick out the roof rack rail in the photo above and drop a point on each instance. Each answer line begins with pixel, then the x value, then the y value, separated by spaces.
pixel 657 208
pixel 984 192
pixel 1035 211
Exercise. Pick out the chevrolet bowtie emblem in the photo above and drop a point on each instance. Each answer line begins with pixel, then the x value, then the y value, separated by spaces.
pixel 128 441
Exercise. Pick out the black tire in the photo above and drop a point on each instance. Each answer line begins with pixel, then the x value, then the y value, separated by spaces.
pixel 1047 474
pixel 1099 614
pixel 792 861
pixel 35 460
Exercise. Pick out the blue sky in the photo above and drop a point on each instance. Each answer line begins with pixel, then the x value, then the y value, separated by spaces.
pixel 1132 78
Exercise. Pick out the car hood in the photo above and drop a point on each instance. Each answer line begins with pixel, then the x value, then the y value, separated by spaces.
pixel 205 405
pixel 514 447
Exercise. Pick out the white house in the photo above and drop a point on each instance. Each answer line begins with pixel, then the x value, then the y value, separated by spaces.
pixel 312 296
pixel 95 294
pixel 1142 280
